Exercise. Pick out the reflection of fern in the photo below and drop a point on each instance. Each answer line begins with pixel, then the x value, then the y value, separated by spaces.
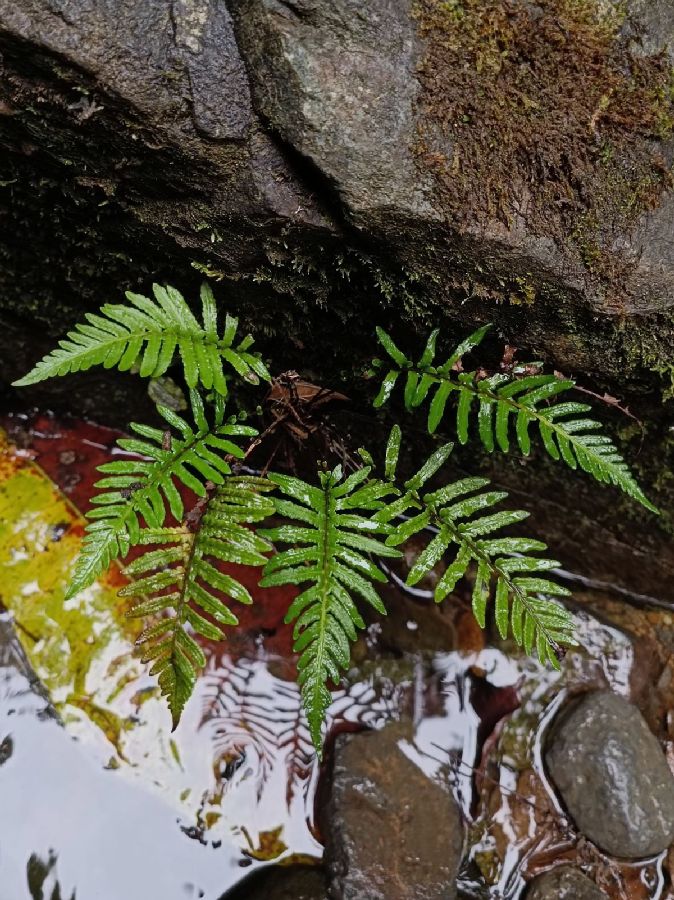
pixel 245 707
pixel 564 428
pixel 147 333
pixel 294 739
pixel 179 575
pixel 144 486
pixel 241 716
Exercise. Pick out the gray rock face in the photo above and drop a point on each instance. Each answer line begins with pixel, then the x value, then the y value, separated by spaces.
pixel 337 82
pixel 391 833
pixel 612 776
pixel 564 883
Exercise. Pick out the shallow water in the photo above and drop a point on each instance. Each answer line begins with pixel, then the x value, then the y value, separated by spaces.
pixel 98 794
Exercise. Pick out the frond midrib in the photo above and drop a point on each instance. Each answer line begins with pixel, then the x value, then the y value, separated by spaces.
pixel 327 528
pixel 143 334
pixel 179 607
pixel 156 473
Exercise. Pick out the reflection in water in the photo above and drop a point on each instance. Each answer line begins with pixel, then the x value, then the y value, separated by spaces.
pixel 92 777
pixel 41 877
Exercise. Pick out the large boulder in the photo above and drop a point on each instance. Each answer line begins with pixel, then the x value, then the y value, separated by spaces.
pixel 613 776
pixel 391 833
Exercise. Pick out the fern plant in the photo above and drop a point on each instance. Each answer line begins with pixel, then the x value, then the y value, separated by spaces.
pixel 142 488
pixel 147 333
pixel 332 533
pixel 501 399
pixel 179 578
pixel 456 513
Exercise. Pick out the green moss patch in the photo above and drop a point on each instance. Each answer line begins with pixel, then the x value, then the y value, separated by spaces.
pixel 544 114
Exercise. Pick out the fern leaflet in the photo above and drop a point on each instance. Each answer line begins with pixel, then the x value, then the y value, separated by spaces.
pixel 456 513
pixel 147 333
pixel 179 577
pixel 135 488
pixel 331 539
pixel 565 430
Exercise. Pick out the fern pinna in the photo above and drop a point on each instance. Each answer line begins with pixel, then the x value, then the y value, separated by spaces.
pixel 565 430
pixel 455 513
pixel 147 333
pixel 331 542
pixel 141 488
pixel 178 577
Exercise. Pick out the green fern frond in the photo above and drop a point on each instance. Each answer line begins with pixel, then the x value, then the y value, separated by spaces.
pixel 331 538
pixel 180 581
pixel 142 488
pixel 462 517
pixel 147 333
pixel 496 403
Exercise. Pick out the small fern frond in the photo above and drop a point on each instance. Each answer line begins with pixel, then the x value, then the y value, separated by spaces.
pixel 462 517
pixel 526 400
pixel 180 579
pixel 142 488
pixel 147 333
pixel 330 534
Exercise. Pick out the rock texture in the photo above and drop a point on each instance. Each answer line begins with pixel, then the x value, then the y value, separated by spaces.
pixel 612 776
pixel 391 833
pixel 308 155
pixel 564 883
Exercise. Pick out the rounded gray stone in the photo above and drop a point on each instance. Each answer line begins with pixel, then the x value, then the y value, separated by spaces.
pixel 564 883
pixel 612 776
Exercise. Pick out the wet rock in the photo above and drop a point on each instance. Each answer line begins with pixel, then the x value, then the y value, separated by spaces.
pixel 564 883
pixel 612 776
pixel 279 883
pixel 391 833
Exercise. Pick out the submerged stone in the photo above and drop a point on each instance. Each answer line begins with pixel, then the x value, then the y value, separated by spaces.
pixel 613 776
pixel 391 833
pixel 279 883
pixel 564 883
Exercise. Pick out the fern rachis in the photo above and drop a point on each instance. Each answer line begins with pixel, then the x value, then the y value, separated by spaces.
pixel 455 512
pixel 143 487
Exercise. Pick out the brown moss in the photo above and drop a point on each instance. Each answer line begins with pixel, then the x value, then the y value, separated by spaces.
pixel 543 114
